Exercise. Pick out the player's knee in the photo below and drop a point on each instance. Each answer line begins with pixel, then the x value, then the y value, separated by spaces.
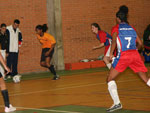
pixel 104 59
pixel 2 84
pixel 48 65
pixel 42 64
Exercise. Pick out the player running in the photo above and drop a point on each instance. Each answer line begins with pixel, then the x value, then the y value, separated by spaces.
pixel 125 37
pixel 4 91
pixel 48 43
pixel 105 41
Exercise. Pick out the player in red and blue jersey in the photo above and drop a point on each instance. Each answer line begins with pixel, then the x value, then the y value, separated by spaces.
pixel 105 41
pixel 125 37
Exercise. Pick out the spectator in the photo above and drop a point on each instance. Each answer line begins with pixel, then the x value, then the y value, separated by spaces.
pixel 15 40
pixel 146 39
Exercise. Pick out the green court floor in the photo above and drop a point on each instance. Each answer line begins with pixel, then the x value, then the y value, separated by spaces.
pixel 40 75
pixel 75 109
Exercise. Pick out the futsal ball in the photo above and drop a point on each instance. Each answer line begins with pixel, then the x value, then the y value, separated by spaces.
pixel 84 60
pixel 16 79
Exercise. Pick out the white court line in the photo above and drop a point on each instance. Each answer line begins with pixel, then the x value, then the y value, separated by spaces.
pixel 58 111
pixel 68 88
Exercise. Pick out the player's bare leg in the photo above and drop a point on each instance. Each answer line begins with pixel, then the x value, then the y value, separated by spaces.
pixel 144 77
pixel 51 68
pixel 4 91
pixel 2 84
pixel 43 64
pixel 106 59
pixel 112 88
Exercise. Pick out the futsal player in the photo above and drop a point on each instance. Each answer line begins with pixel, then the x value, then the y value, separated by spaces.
pixel 4 91
pixel 125 37
pixel 48 43
pixel 105 41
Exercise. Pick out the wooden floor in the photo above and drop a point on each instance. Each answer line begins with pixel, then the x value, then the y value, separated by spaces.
pixel 84 89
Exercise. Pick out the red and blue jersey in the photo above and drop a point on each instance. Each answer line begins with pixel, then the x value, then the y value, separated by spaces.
pixel 126 37
pixel 104 37
pixel 128 55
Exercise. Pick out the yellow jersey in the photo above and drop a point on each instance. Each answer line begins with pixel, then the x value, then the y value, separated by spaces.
pixel 46 40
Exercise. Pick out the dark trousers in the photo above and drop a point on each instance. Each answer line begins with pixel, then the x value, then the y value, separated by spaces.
pixel 12 63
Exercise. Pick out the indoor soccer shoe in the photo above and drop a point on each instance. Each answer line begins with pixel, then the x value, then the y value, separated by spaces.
pixel 114 108
pixel 56 77
pixel 10 109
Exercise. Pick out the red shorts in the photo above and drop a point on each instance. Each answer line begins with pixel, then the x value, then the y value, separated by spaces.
pixel 130 59
pixel 107 51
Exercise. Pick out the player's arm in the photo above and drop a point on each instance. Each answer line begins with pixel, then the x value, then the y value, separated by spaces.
pixel 102 40
pixel 98 47
pixel 48 52
pixel 53 43
pixel 52 47
pixel 113 46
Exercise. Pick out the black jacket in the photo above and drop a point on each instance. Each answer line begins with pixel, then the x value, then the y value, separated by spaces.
pixel 3 41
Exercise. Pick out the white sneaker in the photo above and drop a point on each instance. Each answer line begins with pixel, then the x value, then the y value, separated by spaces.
pixel 56 77
pixel 114 107
pixel 10 109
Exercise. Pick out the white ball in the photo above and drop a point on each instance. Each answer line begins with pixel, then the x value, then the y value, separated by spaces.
pixel 84 60
pixel 16 79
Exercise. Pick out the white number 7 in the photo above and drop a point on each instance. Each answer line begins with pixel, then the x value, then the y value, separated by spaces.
pixel 129 40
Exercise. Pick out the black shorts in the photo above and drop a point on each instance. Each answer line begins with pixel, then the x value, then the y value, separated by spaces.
pixel 43 57
pixel 1 75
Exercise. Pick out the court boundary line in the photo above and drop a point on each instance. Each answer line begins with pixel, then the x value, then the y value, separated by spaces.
pixel 38 109
pixel 71 87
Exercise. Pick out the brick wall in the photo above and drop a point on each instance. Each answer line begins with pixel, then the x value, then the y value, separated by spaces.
pixel 30 13
pixel 77 15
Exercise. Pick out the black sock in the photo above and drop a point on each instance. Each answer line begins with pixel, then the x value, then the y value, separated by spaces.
pixel 52 69
pixel 5 97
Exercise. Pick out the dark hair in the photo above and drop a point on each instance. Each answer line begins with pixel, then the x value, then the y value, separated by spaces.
pixel 3 25
pixel 122 16
pixel 17 21
pixel 96 25
pixel 148 28
pixel 43 27
pixel 124 9
pixel 146 34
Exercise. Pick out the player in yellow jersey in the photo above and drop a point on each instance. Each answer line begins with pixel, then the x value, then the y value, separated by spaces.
pixel 48 43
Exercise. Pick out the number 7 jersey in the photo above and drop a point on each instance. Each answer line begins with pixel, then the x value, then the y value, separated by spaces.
pixel 126 37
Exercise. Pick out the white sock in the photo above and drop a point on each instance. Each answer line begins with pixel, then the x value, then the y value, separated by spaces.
pixel 148 82
pixel 112 87
pixel 109 65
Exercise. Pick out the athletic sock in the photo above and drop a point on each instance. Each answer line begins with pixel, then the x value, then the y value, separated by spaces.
pixel 52 69
pixel 109 65
pixel 148 82
pixel 112 87
pixel 5 97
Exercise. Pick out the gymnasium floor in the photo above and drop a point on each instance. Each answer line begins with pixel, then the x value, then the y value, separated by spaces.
pixel 83 91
